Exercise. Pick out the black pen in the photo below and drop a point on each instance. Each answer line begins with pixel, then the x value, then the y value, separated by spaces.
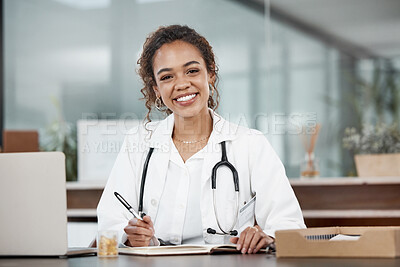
pixel 126 205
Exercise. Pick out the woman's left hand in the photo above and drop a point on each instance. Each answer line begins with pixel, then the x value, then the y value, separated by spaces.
pixel 251 240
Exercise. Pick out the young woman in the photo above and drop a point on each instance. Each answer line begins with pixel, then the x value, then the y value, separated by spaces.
pixel 170 165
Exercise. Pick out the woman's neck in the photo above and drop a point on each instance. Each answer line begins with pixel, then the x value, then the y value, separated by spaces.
pixel 193 128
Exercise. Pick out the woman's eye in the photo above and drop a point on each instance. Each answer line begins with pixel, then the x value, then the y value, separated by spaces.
pixel 166 77
pixel 193 71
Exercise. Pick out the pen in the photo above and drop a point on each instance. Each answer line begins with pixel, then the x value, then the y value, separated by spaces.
pixel 126 204
pixel 271 249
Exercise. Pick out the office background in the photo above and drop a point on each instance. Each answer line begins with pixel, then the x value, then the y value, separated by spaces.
pixel 74 59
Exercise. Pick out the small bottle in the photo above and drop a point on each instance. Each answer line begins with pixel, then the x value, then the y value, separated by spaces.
pixel 309 168
pixel 107 244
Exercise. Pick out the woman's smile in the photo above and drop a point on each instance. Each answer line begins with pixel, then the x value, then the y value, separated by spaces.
pixel 186 100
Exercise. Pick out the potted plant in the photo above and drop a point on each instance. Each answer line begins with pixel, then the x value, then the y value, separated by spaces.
pixel 61 135
pixel 375 104
pixel 376 149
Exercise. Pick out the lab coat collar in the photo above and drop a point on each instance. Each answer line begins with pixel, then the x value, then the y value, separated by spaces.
pixel 223 130
pixel 161 133
pixel 160 137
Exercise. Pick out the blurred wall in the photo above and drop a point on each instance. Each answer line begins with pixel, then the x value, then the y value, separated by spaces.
pixel 82 54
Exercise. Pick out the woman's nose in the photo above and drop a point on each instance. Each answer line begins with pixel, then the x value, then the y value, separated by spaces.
pixel 182 83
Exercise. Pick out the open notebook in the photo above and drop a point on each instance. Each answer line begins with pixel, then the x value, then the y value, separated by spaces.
pixel 181 250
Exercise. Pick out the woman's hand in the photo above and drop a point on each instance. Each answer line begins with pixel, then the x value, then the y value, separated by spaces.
pixel 251 240
pixel 139 232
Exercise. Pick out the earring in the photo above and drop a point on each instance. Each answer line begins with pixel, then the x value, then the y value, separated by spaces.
pixel 211 86
pixel 158 104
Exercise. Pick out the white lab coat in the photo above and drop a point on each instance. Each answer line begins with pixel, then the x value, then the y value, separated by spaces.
pixel 261 173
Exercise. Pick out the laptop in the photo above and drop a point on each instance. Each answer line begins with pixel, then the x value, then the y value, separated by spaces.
pixel 33 205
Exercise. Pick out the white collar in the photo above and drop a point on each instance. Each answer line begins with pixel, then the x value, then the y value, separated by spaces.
pixel 222 131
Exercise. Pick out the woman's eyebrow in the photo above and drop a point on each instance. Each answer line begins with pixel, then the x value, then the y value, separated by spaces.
pixel 190 63
pixel 163 70
pixel 184 65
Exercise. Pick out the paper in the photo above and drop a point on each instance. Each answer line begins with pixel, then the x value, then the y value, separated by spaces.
pixel 344 237
pixel 246 213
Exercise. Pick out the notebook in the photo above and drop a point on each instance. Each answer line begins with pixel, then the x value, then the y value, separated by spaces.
pixel 33 205
pixel 182 250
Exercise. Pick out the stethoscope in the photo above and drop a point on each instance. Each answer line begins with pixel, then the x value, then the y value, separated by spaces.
pixel 224 162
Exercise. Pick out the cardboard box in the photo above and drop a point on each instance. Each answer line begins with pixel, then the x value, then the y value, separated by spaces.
pixel 374 242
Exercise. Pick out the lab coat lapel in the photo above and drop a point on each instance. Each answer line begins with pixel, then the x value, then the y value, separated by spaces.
pixel 158 166
pixel 155 181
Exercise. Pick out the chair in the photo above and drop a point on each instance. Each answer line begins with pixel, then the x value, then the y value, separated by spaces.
pixel 20 141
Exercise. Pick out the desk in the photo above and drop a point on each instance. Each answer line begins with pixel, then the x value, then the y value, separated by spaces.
pixel 196 260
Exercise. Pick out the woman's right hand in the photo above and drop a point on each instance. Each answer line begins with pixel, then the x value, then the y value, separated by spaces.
pixel 139 232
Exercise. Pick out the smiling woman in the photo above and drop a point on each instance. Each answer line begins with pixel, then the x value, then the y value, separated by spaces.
pixel 184 36
pixel 179 75
pixel 183 155
pixel 182 82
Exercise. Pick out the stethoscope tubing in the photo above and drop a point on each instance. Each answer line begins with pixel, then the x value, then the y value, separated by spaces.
pixel 224 162
pixel 142 183
pixel 229 232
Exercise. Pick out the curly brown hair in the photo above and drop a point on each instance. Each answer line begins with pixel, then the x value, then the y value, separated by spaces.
pixel 169 34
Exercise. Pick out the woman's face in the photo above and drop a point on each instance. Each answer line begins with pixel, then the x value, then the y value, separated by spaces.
pixel 181 79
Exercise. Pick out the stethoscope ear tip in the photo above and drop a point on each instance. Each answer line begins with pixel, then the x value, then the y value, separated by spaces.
pixel 234 233
pixel 211 231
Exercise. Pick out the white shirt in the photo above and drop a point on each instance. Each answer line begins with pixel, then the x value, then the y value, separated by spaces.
pixel 180 202
pixel 260 172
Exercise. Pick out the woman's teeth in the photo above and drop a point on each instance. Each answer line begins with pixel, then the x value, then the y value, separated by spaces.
pixel 186 98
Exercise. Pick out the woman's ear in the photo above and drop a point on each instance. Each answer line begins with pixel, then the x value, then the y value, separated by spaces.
pixel 155 89
pixel 211 78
